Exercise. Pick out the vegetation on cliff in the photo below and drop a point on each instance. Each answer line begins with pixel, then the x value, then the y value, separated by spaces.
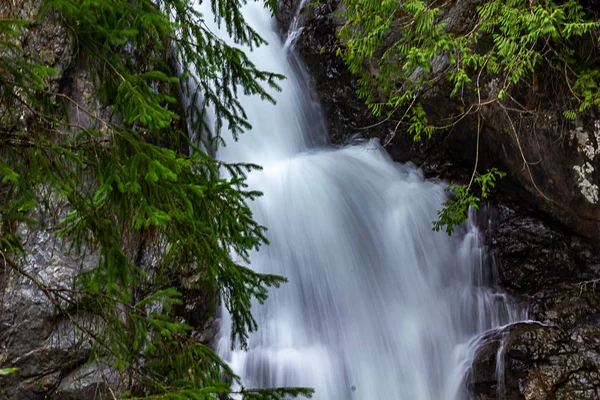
pixel 134 189
pixel 505 55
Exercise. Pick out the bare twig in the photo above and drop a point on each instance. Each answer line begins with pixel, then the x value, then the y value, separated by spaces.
pixel 525 162
pixel 400 121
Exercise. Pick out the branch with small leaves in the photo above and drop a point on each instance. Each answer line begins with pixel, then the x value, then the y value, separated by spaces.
pixel 508 41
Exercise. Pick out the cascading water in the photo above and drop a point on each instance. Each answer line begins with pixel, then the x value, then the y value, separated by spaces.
pixel 378 306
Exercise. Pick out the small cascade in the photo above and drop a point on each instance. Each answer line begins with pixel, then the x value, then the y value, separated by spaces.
pixel 500 366
pixel 378 306
pixel 295 29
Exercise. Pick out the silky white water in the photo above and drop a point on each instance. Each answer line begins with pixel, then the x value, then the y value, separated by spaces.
pixel 378 306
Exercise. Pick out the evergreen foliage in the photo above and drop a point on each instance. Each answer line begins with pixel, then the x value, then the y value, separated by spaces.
pixel 509 40
pixel 105 187
pixel 6 371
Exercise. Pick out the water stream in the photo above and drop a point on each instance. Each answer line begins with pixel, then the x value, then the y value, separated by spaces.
pixel 378 306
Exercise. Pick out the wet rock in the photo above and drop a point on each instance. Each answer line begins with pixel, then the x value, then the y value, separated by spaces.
pixel 541 362
pixel 532 253
pixel 287 11
pixel 482 380
pixel 554 274
pixel 92 381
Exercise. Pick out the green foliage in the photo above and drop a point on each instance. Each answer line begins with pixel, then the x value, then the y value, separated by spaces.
pixel 6 371
pixel 211 71
pixel 456 208
pixel 394 45
pixel 142 196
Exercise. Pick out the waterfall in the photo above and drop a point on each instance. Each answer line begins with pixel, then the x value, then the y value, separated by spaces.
pixel 378 306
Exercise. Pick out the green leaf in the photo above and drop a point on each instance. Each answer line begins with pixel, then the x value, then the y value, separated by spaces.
pixel 7 371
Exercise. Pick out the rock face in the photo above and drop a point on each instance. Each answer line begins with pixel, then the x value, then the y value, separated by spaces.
pixel 534 255
pixel 555 275
pixel 543 231
pixel 552 168
pixel 539 362
pixel 50 355
pixel 45 347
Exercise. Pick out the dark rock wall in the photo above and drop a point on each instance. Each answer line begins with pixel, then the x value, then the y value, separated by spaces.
pixel 551 164
pixel 555 275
